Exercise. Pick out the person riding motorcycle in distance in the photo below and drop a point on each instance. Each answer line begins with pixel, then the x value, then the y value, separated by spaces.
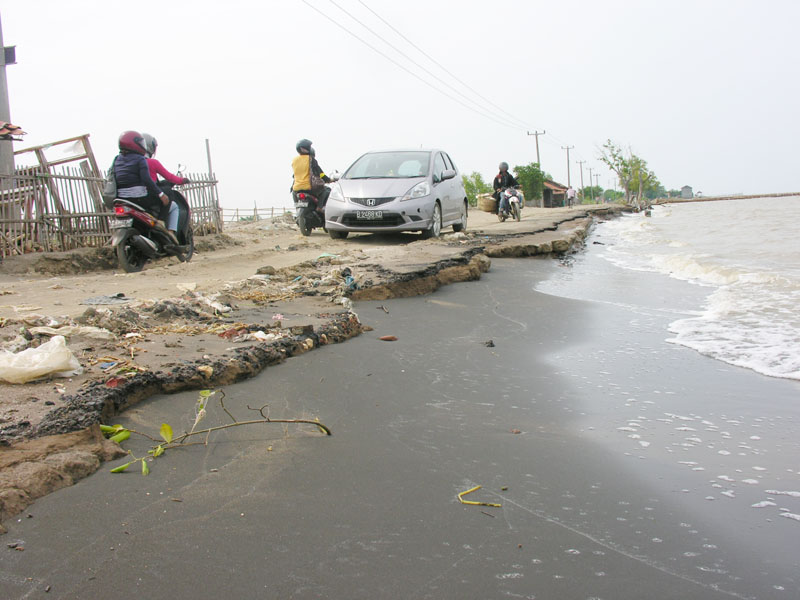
pixel 169 214
pixel 132 173
pixel 503 180
pixel 308 175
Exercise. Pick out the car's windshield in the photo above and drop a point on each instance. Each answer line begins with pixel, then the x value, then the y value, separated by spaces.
pixel 390 165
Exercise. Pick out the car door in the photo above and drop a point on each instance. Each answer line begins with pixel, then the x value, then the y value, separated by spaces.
pixel 442 188
pixel 456 188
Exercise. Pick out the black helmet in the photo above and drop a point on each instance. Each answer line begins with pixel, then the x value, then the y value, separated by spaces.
pixel 504 166
pixel 303 144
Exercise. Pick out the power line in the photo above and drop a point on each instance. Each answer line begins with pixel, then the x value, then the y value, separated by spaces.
pixel 442 67
pixel 407 70
pixel 415 63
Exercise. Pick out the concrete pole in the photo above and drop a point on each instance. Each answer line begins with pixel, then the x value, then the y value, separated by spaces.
pixel 580 162
pixel 567 148
pixel 537 134
pixel 591 189
pixel 6 147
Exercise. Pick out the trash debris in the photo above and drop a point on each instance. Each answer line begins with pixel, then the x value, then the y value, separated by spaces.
pixel 388 338
pixel 113 299
pixel 472 502
pixel 489 344
pixel 51 358
pixel 95 333
pixel 186 287
pixel 207 371
pixel 383 308
pixel 327 255
pixel 516 431
pixel 277 317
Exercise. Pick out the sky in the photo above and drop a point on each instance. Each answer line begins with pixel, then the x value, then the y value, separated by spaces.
pixel 707 92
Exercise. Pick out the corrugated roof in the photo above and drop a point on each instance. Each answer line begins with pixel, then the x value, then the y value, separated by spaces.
pixel 556 187
pixel 8 131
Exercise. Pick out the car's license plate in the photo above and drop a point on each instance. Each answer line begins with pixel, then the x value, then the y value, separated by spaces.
pixel 369 215
pixel 301 205
pixel 120 223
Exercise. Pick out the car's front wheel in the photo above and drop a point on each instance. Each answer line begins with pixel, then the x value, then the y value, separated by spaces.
pixel 435 227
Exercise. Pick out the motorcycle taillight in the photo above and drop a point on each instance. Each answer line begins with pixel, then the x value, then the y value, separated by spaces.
pixel 301 196
pixel 120 210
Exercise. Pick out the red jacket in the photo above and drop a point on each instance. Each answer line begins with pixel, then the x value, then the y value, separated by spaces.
pixel 156 169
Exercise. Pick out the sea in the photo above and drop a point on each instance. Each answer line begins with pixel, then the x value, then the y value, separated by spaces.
pixel 740 260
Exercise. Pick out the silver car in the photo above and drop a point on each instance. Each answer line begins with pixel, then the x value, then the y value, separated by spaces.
pixel 398 190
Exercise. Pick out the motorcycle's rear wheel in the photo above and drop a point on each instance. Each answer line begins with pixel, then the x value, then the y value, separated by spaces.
pixel 187 256
pixel 302 223
pixel 130 258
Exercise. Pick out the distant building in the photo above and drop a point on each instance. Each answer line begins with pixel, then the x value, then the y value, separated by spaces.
pixel 554 194
pixel 686 192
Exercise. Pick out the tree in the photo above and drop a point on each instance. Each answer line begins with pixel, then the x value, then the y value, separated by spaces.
pixel 531 178
pixel 634 176
pixel 474 185
pixel 591 191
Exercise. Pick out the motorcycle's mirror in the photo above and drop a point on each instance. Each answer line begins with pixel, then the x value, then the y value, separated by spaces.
pixel 335 176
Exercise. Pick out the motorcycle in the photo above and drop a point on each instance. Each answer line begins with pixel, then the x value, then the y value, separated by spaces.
pixel 138 236
pixel 307 213
pixel 514 198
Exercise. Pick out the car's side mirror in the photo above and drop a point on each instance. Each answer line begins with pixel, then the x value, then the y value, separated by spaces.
pixel 448 174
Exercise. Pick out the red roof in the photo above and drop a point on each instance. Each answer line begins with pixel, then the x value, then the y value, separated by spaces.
pixel 7 131
pixel 556 187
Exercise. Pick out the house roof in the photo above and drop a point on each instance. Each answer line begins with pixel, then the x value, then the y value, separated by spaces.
pixel 556 187
pixel 8 131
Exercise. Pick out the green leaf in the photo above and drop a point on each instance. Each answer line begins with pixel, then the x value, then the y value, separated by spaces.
pixel 166 432
pixel 145 468
pixel 206 393
pixel 158 451
pixel 121 436
pixel 121 468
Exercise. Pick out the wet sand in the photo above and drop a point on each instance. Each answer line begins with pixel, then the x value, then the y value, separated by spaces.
pixel 372 512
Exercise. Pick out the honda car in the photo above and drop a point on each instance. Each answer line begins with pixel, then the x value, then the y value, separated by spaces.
pixel 398 190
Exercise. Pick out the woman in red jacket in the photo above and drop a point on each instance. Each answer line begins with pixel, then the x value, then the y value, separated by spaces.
pixel 169 214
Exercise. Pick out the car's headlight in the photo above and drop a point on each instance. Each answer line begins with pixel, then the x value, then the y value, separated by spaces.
pixel 336 194
pixel 423 188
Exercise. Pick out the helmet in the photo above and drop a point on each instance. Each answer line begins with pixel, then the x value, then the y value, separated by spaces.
pixel 303 144
pixel 504 166
pixel 150 144
pixel 132 141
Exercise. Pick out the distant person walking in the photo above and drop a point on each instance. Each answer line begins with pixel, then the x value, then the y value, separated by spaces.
pixel 570 196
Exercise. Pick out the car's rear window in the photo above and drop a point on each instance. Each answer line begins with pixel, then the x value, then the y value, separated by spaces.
pixel 389 165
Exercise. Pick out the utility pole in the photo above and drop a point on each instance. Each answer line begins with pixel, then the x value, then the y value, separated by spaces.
pixel 537 134
pixel 567 148
pixel 591 189
pixel 6 147
pixel 580 162
pixel 597 179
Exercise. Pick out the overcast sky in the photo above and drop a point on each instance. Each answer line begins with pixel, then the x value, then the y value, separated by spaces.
pixel 706 91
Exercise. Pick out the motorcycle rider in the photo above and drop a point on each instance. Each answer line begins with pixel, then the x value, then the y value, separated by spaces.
pixel 169 214
pixel 308 175
pixel 132 173
pixel 503 180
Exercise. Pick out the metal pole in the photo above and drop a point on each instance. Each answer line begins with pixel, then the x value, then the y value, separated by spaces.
pixel 591 189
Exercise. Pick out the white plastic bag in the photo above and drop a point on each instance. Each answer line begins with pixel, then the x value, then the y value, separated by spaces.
pixel 51 358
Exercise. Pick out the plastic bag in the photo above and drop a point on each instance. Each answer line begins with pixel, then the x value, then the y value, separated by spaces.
pixel 51 358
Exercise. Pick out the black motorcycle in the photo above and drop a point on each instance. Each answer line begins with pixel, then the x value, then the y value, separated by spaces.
pixel 307 212
pixel 138 236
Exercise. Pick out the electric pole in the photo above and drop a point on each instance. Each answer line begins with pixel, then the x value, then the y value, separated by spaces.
pixel 591 189
pixel 537 134
pixel 580 162
pixel 6 148
pixel 597 179
pixel 567 148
